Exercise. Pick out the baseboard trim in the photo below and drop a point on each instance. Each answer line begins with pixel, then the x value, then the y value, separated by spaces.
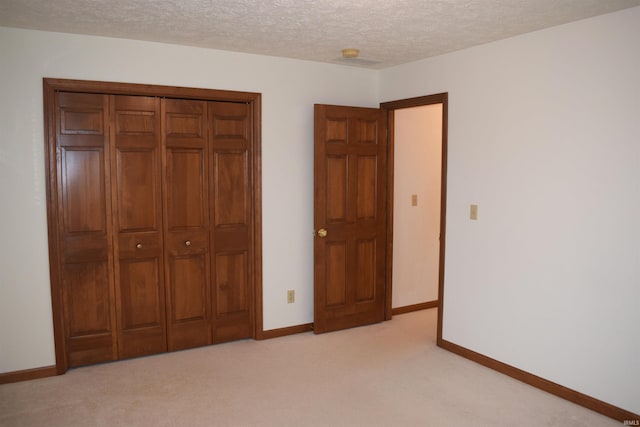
pixel 28 374
pixel 281 332
pixel 576 397
pixel 414 307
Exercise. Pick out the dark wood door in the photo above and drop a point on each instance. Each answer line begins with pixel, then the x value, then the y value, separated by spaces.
pixel 187 223
pixel 83 226
pixel 350 216
pixel 153 206
pixel 137 219
pixel 231 207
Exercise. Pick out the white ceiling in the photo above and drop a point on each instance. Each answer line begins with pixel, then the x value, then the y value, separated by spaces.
pixel 387 32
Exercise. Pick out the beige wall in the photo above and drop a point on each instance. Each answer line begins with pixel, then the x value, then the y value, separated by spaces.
pixel 417 171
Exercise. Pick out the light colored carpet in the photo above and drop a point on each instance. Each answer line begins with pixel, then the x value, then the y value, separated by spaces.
pixel 389 374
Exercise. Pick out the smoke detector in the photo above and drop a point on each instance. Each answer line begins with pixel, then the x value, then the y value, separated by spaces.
pixel 350 53
pixel 352 57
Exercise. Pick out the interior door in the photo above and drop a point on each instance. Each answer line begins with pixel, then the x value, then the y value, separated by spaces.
pixel 232 216
pixel 350 216
pixel 187 223
pixel 83 224
pixel 137 223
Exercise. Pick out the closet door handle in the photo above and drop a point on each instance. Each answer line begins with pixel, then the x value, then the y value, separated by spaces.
pixel 139 246
pixel 187 243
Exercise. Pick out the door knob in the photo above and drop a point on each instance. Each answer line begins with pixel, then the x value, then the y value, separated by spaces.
pixel 139 246
pixel 187 243
pixel 322 233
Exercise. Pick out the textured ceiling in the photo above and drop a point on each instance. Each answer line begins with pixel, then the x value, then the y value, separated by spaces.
pixel 387 32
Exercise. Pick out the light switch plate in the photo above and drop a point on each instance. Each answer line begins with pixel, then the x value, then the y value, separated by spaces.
pixel 473 212
pixel 414 200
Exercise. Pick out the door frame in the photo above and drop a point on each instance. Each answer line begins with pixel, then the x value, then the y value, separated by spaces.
pixel 390 107
pixel 50 87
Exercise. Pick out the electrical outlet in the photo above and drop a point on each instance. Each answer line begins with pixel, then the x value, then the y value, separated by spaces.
pixel 291 296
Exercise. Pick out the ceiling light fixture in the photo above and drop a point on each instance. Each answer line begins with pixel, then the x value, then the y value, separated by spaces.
pixel 350 53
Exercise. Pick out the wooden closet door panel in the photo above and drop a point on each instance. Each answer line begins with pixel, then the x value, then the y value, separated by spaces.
pixel 137 208
pixel 84 227
pixel 84 199
pixel 186 171
pixel 187 248
pixel 231 232
pixel 231 278
pixel 138 170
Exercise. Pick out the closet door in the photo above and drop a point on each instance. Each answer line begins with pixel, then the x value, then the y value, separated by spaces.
pixel 137 219
pixel 187 246
pixel 231 216
pixel 84 229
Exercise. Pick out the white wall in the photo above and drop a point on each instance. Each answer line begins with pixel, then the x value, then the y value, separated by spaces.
pixel 544 135
pixel 416 229
pixel 289 89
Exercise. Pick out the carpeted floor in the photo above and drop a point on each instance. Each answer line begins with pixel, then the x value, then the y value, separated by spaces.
pixel 389 374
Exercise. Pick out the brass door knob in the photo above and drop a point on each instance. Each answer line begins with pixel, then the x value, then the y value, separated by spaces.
pixel 322 233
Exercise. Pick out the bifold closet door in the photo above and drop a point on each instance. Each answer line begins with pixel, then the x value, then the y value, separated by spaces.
pixel 84 227
pixel 137 219
pixel 231 209
pixel 153 213
pixel 187 223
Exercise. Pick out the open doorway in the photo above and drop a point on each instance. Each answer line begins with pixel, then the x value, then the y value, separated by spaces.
pixel 416 207
pixel 417 204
